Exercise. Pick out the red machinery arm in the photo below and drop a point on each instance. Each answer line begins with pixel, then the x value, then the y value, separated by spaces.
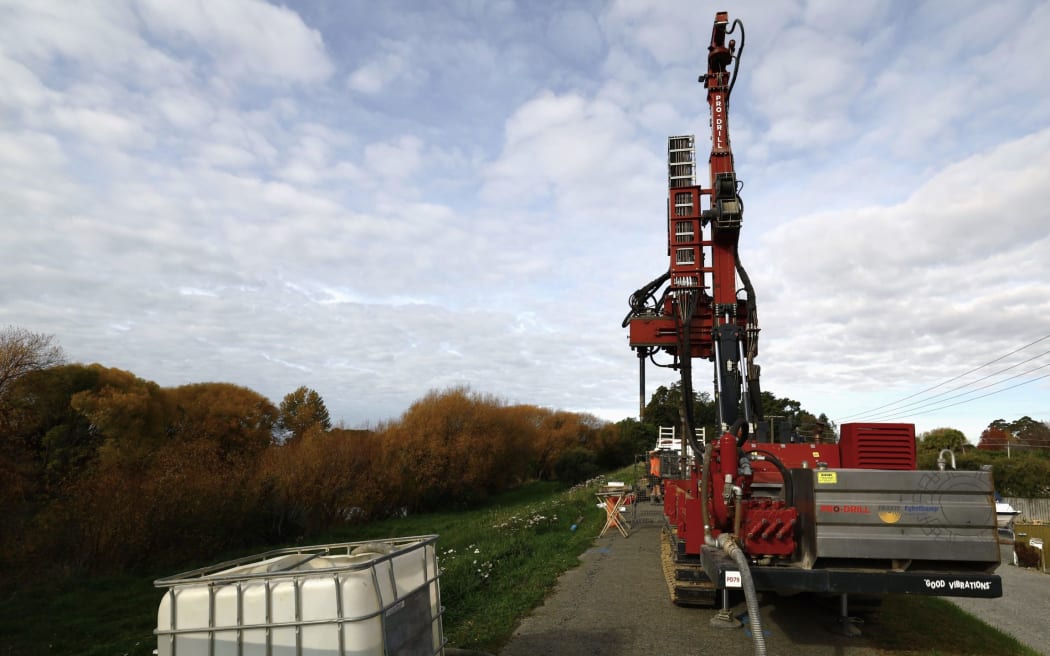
pixel 699 313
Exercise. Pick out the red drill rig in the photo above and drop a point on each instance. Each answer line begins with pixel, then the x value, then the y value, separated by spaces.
pixel 852 517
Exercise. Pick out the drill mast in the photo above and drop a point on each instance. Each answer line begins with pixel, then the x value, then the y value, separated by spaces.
pixel 699 314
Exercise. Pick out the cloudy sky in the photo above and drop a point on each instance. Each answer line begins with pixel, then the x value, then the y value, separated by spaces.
pixel 377 199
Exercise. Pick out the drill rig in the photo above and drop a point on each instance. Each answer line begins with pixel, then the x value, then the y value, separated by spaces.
pixel 852 517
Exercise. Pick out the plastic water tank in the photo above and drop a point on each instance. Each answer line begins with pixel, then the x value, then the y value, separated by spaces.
pixel 353 598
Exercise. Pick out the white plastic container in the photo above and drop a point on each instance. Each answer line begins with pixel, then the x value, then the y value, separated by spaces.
pixel 354 598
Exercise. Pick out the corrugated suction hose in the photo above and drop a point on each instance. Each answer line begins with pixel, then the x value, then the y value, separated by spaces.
pixel 754 617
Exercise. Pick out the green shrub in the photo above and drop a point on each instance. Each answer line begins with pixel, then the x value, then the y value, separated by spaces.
pixel 575 465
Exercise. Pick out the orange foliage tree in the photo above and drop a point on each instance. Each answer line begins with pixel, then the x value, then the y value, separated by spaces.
pixel 454 446
pixel 174 473
pixel 994 439
pixel 116 472
pixel 239 421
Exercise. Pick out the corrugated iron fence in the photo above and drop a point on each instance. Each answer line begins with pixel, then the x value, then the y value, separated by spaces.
pixel 1032 510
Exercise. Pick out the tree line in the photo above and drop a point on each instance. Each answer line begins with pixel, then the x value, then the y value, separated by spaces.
pixel 105 470
pixel 1017 452
pixel 788 420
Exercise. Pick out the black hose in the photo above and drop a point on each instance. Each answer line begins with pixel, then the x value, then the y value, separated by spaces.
pixel 789 490
pixel 749 289
pixel 739 426
pixel 736 66
pixel 638 299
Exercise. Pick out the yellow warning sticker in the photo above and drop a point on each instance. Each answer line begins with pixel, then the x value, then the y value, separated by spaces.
pixel 827 478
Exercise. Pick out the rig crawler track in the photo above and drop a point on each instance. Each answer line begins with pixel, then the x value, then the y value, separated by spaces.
pixel 687 582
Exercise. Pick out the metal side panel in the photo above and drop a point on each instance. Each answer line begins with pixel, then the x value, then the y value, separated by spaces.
pixel 898 515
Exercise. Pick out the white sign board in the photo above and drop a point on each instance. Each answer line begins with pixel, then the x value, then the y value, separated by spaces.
pixel 733 579
pixel 1036 542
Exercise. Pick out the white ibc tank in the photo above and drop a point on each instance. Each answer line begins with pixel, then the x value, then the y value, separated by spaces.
pixel 354 598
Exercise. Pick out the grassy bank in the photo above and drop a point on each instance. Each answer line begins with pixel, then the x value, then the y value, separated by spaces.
pixel 498 561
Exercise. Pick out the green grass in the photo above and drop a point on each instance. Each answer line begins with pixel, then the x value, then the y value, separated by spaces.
pixel 94 617
pixel 914 624
pixel 498 561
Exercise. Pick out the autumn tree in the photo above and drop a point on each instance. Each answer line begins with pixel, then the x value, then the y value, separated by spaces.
pixel 23 351
pixel 128 415
pixel 455 446
pixel 559 432
pixel 994 438
pixel 238 420
pixel 1025 434
pixel 175 472
pixel 300 411
pixel 325 478
pixel 59 440
pixel 43 445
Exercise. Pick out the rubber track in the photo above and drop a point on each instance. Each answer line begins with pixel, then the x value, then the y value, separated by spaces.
pixel 683 591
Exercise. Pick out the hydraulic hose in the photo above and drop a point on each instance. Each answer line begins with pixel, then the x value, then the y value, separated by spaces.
pixel 638 299
pixel 752 307
pixel 754 617
pixel 739 53
pixel 789 490
pixel 739 428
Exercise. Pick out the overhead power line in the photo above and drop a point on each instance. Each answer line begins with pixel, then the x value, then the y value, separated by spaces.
pixel 949 405
pixel 922 409
pixel 921 403
pixel 889 407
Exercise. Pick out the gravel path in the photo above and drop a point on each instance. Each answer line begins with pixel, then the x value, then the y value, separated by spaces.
pixel 616 603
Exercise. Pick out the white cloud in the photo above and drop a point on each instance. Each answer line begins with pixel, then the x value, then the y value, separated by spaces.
pixel 102 127
pixel 395 161
pixel 22 90
pixel 102 34
pixel 281 196
pixel 566 148
pixel 244 38
pixel 184 109
pixel 914 291
pixel 393 65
